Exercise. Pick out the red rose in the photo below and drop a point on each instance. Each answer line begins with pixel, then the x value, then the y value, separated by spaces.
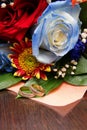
pixel 17 19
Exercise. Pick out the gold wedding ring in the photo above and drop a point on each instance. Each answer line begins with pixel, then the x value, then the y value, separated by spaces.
pixel 35 90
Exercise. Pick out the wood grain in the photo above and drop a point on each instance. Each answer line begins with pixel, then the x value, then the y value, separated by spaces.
pixel 25 114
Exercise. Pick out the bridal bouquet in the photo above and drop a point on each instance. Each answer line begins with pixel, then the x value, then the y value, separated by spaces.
pixel 42 43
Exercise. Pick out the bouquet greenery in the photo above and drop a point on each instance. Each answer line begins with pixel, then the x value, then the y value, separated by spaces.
pixel 42 43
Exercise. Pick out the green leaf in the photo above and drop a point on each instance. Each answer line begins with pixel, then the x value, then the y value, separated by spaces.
pixel 48 85
pixel 79 80
pixel 80 77
pixel 82 66
pixel 18 96
pixel 7 80
pixel 83 14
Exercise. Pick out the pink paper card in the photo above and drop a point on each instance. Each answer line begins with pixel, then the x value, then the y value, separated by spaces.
pixel 61 96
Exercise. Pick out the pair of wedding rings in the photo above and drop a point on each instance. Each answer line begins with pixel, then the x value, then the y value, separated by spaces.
pixel 31 91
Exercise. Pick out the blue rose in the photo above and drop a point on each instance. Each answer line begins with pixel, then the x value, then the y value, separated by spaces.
pixel 57 31
pixel 5 64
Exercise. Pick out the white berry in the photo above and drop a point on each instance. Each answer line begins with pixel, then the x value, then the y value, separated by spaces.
pixel 3 5
pixel 85 30
pixel 84 35
pixel 84 40
pixel 72 73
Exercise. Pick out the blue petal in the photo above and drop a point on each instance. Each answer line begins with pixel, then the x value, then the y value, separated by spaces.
pixel 57 10
pixel 5 64
pixel 65 6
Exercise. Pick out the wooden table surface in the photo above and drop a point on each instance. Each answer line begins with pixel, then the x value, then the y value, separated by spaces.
pixel 25 114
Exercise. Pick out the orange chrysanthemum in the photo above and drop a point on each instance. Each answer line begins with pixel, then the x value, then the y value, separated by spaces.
pixel 25 63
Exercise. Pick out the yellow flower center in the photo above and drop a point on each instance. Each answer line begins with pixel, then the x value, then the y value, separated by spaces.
pixel 27 61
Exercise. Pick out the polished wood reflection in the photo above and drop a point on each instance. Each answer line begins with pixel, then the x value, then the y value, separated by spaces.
pixel 25 114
